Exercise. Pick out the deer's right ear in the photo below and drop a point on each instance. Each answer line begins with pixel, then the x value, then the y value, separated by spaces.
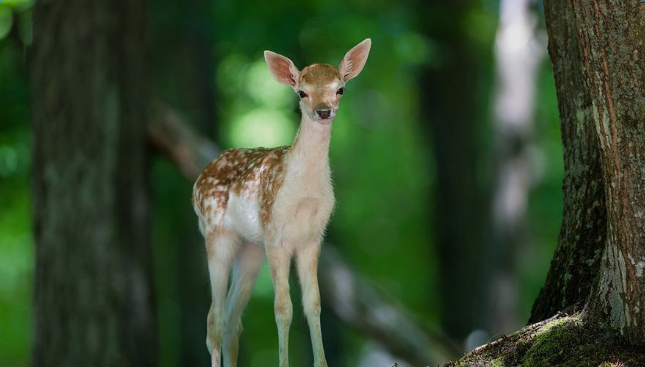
pixel 282 69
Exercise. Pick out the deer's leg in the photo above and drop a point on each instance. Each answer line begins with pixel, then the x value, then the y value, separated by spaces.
pixel 221 250
pixel 245 270
pixel 307 262
pixel 279 260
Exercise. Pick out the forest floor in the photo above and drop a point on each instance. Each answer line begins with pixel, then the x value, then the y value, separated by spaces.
pixel 562 341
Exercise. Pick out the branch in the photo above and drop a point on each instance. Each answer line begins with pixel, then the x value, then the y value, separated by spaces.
pixel 355 301
pixel 351 297
pixel 187 149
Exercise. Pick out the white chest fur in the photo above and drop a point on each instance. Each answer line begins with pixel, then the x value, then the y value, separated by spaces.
pixel 305 201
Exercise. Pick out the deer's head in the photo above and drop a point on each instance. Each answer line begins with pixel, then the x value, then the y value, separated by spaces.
pixel 319 86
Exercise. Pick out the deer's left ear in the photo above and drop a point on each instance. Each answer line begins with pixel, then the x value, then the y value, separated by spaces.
pixel 354 60
pixel 282 69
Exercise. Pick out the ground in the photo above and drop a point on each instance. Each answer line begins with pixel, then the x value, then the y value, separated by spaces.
pixel 562 341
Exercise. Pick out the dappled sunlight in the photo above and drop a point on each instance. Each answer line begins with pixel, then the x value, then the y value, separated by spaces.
pixel 6 21
pixel 261 86
pixel 259 110
pixel 16 11
pixel 20 4
pixel 261 127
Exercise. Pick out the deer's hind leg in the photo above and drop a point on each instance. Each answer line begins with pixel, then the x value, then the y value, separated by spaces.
pixel 245 271
pixel 221 247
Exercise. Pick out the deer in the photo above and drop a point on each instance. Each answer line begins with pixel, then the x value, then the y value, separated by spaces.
pixel 274 203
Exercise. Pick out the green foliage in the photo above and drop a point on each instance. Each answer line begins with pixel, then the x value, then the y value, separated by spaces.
pixel 16 243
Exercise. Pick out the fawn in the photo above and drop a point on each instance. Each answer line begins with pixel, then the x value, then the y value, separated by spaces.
pixel 253 203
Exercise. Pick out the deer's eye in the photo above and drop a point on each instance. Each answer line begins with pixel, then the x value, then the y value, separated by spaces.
pixel 302 94
pixel 340 91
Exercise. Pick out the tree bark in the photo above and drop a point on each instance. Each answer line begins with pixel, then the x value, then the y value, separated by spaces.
pixel 611 34
pixel 597 51
pixel 93 301
pixel 583 231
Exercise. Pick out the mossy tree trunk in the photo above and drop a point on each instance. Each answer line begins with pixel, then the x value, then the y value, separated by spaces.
pixel 598 54
pixel 583 230
pixel 612 39
pixel 93 301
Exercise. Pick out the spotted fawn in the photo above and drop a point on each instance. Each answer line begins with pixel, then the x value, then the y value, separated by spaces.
pixel 273 203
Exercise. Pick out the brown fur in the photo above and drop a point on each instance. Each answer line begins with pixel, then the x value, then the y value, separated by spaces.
pixel 258 171
pixel 319 74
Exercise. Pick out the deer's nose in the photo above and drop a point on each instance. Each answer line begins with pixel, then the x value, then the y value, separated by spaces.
pixel 323 111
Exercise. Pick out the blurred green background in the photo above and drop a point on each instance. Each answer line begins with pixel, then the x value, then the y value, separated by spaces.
pixel 206 61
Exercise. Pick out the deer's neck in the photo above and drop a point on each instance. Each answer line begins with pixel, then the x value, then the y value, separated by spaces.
pixel 310 150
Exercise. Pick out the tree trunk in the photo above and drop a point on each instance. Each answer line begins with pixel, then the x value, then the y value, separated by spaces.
pixel 194 294
pixel 611 34
pixel 199 36
pixel 93 301
pixel 451 116
pixel 518 55
pixel 596 48
pixel 597 51
pixel 583 231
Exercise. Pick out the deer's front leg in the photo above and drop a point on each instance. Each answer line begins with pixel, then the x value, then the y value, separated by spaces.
pixel 279 260
pixel 307 260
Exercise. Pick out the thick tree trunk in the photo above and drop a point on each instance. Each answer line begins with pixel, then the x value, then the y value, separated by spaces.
pixel 583 231
pixel 93 302
pixel 611 34
pixel 597 51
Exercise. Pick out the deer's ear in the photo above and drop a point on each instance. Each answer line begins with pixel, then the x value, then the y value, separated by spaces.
pixel 282 69
pixel 354 60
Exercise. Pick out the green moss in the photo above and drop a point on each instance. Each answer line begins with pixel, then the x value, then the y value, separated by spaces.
pixel 560 342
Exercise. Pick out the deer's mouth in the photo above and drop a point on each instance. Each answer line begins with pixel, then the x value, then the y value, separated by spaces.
pixel 325 121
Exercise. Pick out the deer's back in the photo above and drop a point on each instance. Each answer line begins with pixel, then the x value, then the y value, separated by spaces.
pixel 238 190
